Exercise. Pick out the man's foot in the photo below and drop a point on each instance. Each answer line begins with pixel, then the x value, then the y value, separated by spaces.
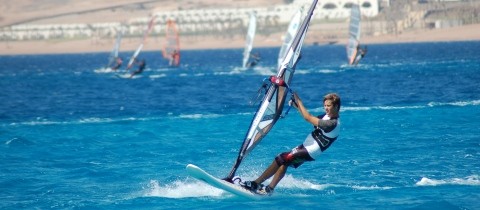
pixel 250 185
pixel 267 190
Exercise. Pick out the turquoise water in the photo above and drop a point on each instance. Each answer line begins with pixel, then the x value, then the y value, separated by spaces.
pixel 72 137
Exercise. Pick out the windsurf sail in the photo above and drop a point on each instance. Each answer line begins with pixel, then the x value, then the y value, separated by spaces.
pixel 288 38
pixel 353 34
pixel 252 26
pixel 116 48
pixel 271 107
pixel 171 49
pixel 140 47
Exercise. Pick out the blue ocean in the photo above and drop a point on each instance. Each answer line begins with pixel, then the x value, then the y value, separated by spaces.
pixel 74 137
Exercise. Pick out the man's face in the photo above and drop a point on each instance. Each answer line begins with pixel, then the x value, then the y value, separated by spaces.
pixel 330 109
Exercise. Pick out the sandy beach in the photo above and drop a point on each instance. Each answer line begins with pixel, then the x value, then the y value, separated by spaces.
pixel 91 11
pixel 461 33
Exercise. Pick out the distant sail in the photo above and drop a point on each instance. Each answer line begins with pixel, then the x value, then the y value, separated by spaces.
pixel 353 34
pixel 171 49
pixel 252 26
pixel 271 107
pixel 116 48
pixel 140 47
pixel 289 35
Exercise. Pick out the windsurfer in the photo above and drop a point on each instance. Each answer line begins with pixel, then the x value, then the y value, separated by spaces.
pixel 118 63
pixel 174 58
pixel 255 59
pixel 326 130
pixel 361 53
pixel 141 66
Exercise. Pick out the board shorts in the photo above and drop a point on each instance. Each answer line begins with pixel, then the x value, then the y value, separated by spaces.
pixel 294 158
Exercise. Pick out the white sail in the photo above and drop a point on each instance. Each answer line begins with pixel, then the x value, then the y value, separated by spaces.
pixel 171 49
pixel 116 48
pixel 289 35
pixel 271 107
pixel 353 34
pixel 140 47
pixel 134 56
pixel 249 39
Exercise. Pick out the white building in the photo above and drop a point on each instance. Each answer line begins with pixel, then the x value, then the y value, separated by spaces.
pixel 195 21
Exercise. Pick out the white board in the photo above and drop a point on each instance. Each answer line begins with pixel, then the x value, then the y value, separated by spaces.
pixel 200 174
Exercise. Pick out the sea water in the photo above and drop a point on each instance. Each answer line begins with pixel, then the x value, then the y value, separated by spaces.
pixel 73 136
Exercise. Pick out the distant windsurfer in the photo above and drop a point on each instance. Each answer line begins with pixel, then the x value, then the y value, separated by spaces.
pixel 361 52
pixel 117 64
pixel 141 66
pixel 174 58
pixel 255 60
pixel 326 130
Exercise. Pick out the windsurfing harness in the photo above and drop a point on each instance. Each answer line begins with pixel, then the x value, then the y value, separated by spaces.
pixel 326 132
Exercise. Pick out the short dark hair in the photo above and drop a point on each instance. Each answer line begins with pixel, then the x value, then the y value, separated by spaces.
pixel 334 98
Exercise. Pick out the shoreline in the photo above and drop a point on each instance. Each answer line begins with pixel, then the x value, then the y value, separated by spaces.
pixel 460 33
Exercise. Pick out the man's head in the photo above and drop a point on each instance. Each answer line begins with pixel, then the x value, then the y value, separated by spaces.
pixel 331 104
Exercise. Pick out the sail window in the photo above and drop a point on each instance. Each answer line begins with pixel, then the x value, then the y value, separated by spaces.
pixel 348 5
pixel 366 5
pixel 329 6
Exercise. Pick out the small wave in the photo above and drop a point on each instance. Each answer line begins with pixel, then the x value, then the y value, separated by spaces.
pixel 18 141
pixel 380 108
pixel 473 180
pixel 162 70
pixel 198 116
pixel 181 189
pixel 92 120
pixel 374 187
pixel 368 108
pixel 103 70
pixel 227 73
pixel 393 64
pixel 301 71
pixel 431 104
pixel 233 71
pixel 259 70
pixel 128 76
pixel 327 71
pixel 265 71
pixel 156 76
pixel 458 103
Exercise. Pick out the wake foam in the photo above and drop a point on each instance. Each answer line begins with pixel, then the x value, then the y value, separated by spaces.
pixel 289 182
pixel 181 189
pixel 189 188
